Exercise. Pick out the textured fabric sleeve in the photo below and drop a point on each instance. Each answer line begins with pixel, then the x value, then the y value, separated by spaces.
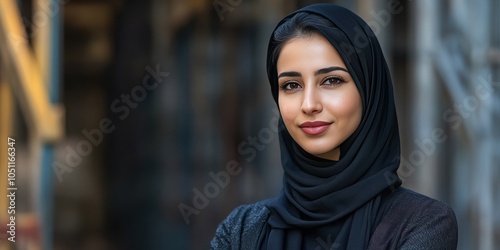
pixel 241 229
pixel 222 237
pixel 434 227
pixel 226 233
pixel 416 222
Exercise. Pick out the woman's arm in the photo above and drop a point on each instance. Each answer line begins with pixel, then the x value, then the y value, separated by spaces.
pixel 242 227
pixel 222 236
pixel 432 228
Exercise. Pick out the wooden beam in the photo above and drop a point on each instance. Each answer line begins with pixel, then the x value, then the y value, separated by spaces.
pixel 5 131
pixel 28 84
pixel 41 42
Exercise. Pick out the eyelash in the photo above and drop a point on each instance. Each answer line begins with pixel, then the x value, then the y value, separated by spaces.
pixel 339 80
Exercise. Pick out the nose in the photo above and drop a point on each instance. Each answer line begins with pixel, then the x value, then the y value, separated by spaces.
pixel 311 102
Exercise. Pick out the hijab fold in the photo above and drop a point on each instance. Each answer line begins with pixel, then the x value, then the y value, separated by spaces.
pixel 339 203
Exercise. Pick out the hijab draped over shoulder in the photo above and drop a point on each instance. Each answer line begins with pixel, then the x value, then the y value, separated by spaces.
pixel 328 204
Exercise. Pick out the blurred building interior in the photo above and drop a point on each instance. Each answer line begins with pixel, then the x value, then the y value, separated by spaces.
pixel 125 112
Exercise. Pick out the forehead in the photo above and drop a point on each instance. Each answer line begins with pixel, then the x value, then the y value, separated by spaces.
pixel 308 53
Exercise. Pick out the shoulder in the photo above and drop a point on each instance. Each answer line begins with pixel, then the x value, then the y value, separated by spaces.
pixel 415 221
pixel 241 227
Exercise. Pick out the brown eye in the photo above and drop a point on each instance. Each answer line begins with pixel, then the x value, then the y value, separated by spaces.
pixel 333 81
pixel 290 86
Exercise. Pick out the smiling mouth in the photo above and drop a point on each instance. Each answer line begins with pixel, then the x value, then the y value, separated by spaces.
pixel 314 128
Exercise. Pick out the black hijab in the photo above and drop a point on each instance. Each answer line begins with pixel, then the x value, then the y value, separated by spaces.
pixel 337 204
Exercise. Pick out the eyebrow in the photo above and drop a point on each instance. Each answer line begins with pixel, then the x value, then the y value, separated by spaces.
pixel 318 72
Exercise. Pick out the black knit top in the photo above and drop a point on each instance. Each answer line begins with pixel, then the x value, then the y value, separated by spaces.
pixel 413 221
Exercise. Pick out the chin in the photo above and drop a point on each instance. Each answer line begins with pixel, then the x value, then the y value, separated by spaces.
pixel 326 146
pixel 329 153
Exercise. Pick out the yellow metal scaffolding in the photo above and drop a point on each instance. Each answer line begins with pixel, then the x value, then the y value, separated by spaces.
pixel 25 80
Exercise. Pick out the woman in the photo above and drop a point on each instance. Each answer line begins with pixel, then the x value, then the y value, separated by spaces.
pixel 340 148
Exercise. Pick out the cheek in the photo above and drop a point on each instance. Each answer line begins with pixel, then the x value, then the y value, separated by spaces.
pixel 346 107
pixel 286 115
pixel 288 110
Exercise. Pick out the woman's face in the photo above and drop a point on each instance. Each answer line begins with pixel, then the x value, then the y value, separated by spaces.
pixel 319 102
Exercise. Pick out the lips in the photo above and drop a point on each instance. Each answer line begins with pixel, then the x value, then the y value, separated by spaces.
pixel 314 128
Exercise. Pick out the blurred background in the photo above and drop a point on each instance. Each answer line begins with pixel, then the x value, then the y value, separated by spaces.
pixel 142 124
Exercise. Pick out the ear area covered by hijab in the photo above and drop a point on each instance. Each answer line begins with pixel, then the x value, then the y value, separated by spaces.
pixel 342 200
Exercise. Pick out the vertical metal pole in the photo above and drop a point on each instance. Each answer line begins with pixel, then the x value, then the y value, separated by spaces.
pixel 479 37
pixel 426 22
pixel 52 76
